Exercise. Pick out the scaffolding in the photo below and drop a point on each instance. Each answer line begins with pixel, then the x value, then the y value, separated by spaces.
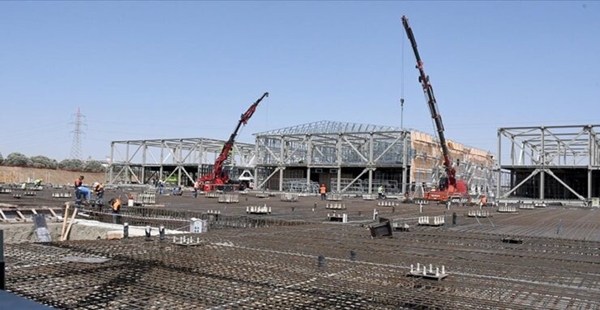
pixel 357 158
pixel 550 162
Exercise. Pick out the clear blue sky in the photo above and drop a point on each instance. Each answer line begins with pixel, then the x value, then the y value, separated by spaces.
pixel 146 70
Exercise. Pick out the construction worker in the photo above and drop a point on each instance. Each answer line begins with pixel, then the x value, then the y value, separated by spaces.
pixel 483 201
pixel 380 192
pixel 77 184
pixel 160 187
pixel 115 206
pixel 84 192
pixel 79 181
pixel 197 186
pixel 99 190
pixel 323 191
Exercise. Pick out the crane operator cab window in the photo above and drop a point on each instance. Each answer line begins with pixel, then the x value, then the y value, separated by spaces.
pixel 443 183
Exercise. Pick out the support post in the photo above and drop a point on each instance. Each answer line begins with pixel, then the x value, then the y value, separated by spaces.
pixel 499 176
pixel 591 154
pixel 127 165
pixel 371 159
pixel 542 181
pixel 280 180
pixel 308 160
pixel 2 264
pixel 543 163
pixel 111 164
pixel 370 181
pixel 144 162
pixel 589 185
pixel 162 160
pixel 404 160
pixel 339 163
pixel 282 153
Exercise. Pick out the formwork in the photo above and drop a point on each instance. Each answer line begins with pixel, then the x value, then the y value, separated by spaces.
pixel 552 163
pixel 179 161
pixel 358 158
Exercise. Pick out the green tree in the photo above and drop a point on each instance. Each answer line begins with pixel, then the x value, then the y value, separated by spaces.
pixel 17 160
pixel 71 164
pixel 1 159
pixel 93 166
pixel 43 162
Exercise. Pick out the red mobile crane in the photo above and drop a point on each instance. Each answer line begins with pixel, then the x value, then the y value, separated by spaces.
pixel 449 187
pixel 218 177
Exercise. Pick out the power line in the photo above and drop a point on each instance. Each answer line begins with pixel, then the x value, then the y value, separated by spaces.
pixel 76 150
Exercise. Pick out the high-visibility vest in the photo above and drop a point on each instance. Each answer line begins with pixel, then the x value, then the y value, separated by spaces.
pixel 323 190
pixel 116 205
pixel 99 188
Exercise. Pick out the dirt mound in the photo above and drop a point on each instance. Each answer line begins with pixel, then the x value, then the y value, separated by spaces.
pixel 21 174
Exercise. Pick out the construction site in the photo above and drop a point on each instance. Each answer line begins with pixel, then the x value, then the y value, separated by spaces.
pixel 325 215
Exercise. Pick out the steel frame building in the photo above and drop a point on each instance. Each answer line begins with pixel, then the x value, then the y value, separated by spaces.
pixel 550 162
pixel 137 161
pixel 403 161
pixel 348 157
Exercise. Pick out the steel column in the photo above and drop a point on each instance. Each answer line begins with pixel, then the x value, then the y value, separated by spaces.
pixel 2 263
pixel 404 161
pixel 371 160
pixel 499 176
pixel 112 162
pixel 144 150
pixel 339 163
pixel 162 159
pixel 543 164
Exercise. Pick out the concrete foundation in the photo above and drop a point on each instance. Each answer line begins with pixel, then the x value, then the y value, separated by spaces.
pixel 81 230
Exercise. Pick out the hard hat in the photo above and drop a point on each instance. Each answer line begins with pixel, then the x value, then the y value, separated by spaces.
pixel 96 184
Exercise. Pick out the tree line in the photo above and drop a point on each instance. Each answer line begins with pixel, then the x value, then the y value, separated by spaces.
pixel 39 161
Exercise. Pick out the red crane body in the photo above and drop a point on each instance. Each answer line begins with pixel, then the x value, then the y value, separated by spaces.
pixel 449 187
pixel 218 176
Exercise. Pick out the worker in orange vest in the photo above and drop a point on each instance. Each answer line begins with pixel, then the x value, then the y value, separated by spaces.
pixel 115 206
pixel 484 201
pixel 323 192
pixel 78 181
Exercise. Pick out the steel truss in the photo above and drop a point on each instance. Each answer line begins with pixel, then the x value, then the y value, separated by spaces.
pixel 550 151
pixel 182 157
pixel 337 146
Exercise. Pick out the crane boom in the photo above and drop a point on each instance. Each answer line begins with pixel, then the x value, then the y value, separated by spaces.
pixel 217 175
pixel 431 102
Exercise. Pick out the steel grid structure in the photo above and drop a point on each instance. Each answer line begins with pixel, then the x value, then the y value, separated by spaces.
pixel 335 147
pixel 275 268
pixel 569 154
pixel 130 160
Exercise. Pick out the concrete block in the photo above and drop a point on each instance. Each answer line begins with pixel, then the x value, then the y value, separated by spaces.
pixel 114 234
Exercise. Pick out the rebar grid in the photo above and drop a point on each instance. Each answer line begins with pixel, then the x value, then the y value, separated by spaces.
pixel 276 268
